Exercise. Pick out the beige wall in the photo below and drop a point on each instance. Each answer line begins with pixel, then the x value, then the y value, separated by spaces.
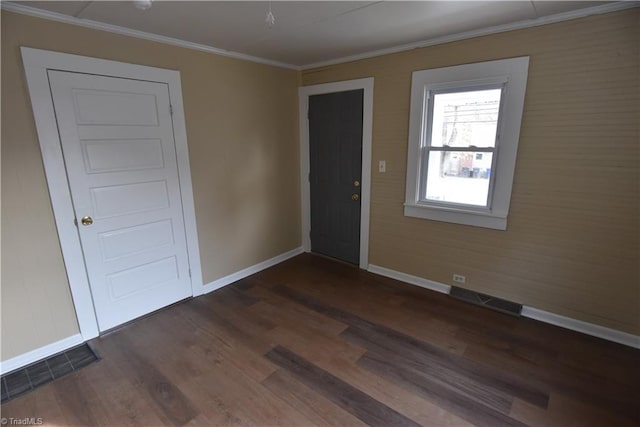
pixel 572 244
pixel 242 133
pixel 572 241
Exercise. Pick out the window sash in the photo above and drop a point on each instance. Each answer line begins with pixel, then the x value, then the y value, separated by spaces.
pixel 426 148
pixel 424 162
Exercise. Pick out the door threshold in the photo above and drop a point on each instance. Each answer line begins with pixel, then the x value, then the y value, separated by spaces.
pixel 347 263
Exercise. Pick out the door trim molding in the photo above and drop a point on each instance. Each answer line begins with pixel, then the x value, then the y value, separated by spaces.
pixel 304 93
pixel 36 63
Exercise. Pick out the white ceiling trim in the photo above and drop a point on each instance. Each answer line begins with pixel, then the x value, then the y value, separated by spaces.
pixel 544 20
pixel 565 16
pixel 88 23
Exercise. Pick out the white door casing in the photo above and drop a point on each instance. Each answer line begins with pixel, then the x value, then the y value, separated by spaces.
pixel 304 93
pixel 37 64
pixel 117 142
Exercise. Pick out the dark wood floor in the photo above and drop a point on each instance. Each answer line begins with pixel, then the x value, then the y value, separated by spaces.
pixel 316 342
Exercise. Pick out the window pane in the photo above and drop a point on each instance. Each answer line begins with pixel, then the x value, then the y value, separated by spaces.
pixel 458 177
pixel 465 119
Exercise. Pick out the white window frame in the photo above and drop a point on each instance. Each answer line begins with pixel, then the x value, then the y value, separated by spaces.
pixel 512 73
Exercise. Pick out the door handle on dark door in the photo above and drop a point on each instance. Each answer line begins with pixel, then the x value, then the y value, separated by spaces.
pixel 355 197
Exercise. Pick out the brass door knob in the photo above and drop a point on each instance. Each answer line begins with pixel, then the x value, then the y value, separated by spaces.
pixel 86 220
pixel 355 197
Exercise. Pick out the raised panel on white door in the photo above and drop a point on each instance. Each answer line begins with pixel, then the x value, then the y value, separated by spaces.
pixel 129 198
pixel 132 240
pixel 142 277
pixel 124 133
pixel 117 140
pixel 117 155
pixel 102 107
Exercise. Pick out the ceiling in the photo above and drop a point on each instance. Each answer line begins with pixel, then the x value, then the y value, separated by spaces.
pixel 310 32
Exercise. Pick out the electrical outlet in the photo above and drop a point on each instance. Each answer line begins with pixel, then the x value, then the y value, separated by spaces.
pixel 382 166
pixel 458 278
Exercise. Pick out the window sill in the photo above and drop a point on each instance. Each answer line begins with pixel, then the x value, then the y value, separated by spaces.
pixel 457 216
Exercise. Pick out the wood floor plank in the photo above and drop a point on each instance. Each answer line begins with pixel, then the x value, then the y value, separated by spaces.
pixel 248 399
pixel 46 403
pixel 342 366
pixel 230 314
pixel 128 405
pixel 228 397
pixel 314 342
pixel 563 411
pixel 315 346
pixel 436 377
pixel 231 297
pixel 206 341
pixel 591 389
pixel 294 312
pixel 395 396
pixel 82 402
pixel 41 405
pixel 466 376
pixel 346 396
pixel 469 408
pixel 227 325
pixel 372 306
pixel 490 385
pixel 507 342
pixel 168 398
pixel 317 408
pixel 191 370
pixel 226 378
pixel 602 359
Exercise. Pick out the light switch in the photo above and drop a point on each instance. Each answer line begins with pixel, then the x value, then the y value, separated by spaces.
pixel 382 166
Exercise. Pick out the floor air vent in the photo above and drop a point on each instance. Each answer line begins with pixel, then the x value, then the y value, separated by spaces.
pixel 24 380
pixel 488 301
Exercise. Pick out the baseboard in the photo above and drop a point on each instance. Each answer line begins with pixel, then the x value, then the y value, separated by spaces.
pixel 530 312
pixel 66 343
pixel 234 277
pixel 39 353
pixel 580 326
pixel 408 278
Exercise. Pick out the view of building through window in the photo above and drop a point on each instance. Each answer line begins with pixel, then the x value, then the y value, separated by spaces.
pixel 461 146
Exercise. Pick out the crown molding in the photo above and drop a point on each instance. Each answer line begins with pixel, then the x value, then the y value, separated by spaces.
pixel 544 20
pixel 551 19
pixel 88 23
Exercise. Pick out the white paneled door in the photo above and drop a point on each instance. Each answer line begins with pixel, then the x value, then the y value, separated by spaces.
pixel 119 150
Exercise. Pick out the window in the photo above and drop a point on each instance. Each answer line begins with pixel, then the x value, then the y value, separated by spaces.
pixel 463 139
